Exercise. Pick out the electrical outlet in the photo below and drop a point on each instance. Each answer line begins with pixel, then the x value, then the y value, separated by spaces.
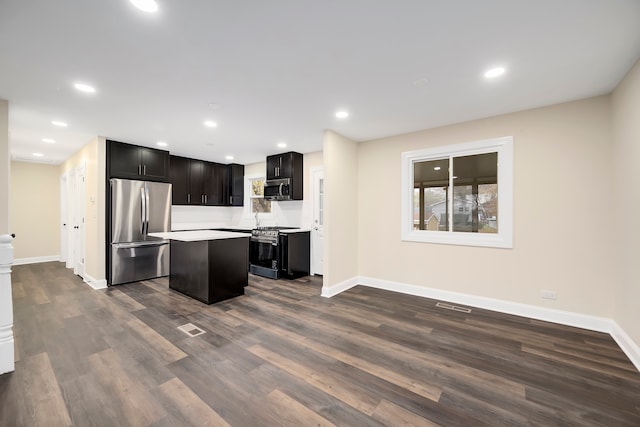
pixel 548 294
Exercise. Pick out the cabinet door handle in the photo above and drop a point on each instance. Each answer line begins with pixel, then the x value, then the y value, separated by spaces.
pixel 188 198
pixel 230 200
pixel 144 169
pixel 139 169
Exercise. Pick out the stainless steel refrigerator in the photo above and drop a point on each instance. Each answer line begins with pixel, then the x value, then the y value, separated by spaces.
pixel 137 209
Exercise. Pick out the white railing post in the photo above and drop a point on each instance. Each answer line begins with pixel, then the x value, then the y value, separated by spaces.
pixel 7 355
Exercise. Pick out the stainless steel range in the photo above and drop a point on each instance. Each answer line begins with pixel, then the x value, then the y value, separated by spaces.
pixel 277 252
pixel 264 252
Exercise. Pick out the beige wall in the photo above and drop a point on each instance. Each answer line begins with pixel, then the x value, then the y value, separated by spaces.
pixel 5 167
pixel 626 145
pixel 341 209
pixel 93 157
pixel 563 211
pixel 35 210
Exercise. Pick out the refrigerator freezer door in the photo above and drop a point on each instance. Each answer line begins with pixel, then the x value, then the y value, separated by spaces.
pixel 132 263
pixel 127 210
pixel 158 207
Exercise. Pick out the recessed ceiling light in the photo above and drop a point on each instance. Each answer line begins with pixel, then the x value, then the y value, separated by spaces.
pixel 282 144
pixel 59 123
pixel 161 143
pixel 437 168
pixel 146 5
pixel 48 140
pixel 84 88
pixel 38 155
pixel 210 124
pixel 229 157
pixel 342 114
pixel 494 72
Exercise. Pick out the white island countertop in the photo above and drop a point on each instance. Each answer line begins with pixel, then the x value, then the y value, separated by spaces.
pixel 199 235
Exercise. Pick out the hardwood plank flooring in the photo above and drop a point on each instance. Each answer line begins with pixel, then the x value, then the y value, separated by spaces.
pixel 281 355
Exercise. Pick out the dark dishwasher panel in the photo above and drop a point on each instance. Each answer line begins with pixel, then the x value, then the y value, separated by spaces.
pixel 294 254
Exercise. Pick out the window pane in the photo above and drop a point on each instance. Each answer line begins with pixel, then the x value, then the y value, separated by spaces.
pixel 257 187
pixel 258 204
pixel 435 207
pixel 430 202
pixel 475 193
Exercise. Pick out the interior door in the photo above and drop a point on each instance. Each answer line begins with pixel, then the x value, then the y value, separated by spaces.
pixel 79 225
pixel 71 219
pixel 317 231
pixel 64 218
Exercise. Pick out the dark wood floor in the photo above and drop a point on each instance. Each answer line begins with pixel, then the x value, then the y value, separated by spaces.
pixel 283 355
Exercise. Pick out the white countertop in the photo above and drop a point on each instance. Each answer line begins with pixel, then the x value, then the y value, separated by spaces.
pixel 199 235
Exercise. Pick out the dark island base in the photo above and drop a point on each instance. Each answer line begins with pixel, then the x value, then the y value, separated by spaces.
pixel 210 270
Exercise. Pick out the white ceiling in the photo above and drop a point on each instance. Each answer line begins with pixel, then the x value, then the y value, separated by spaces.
pixel 278 70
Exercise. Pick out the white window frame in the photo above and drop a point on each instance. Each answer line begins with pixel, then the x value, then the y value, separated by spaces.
pixel 504 238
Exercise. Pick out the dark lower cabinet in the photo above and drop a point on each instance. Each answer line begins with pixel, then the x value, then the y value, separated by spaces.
pixel 295 260
pixel 210 270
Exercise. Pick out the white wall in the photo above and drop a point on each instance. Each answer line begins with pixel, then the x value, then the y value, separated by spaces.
pixel 342 209
pixel 563 236
pixel 35 211
pixel 625 278
pixel 293 213
pixel 5 167
pixel 93 157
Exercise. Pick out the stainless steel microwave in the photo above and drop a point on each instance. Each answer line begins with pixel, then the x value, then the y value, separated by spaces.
pixel 278 189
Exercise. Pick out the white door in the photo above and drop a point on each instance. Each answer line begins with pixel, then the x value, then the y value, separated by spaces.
pixel 64 218
pixel 317 231
pixel 79 225
pixel 71 219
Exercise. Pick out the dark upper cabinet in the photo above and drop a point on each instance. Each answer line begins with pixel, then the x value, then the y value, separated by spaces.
pixel 287 166
pixel 215 184
pixel 197 177
pixel 236 184
pixel 135 162
pixel 197 182
pixel 179 178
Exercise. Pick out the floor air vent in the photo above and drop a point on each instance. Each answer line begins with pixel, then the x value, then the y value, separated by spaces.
pixel 191 330
pixel 453 307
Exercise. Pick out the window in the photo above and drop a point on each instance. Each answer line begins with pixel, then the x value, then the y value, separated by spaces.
pixel 460 194
pixel 256 197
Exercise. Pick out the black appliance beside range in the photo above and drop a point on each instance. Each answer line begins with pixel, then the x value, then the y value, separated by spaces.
pixel 279 252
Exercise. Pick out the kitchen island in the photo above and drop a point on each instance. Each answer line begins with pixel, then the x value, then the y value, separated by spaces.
pixel 208 265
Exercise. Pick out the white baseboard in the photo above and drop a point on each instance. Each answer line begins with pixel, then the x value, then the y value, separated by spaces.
pixel 630 348
pixel 36 260
pixel 593 323
pixel 95 283
pixel 7 355
pixel 340 287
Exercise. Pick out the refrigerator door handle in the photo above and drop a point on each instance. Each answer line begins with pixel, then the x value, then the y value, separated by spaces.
pixel 139 244
pixel 146 208
pixel 143 211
